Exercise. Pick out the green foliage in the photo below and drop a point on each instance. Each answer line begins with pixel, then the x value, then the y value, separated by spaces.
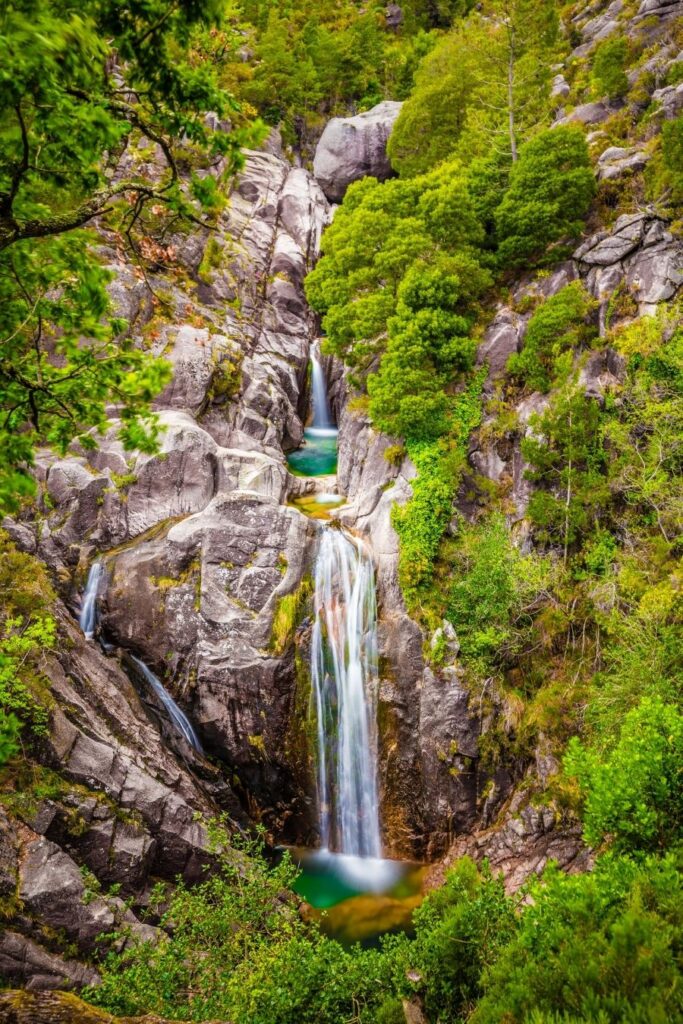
pixel 672 156
pixel 428 344
pixel 27 635
pixel 634 798
pixel 494 592
pixel 54 388
pixel 551 188
pixel 609 63
pixel 596 947
pixel 400 280
pixel 65 121
pixel 568 460
pixel 288 614
pixel 484 87
pixel 559 325
pixel 10 727
pixel 422 521
pixel 460 929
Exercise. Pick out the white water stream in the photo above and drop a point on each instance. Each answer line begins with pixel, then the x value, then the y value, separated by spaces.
pixel 345 679
pixel 176 715
pixel 87 619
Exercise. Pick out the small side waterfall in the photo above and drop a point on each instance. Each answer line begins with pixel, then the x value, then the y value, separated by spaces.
pixel 178 718
pixel 322 417
pixel 87 619
pixel 345 678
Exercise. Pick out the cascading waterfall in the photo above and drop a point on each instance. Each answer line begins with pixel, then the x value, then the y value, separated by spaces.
pixel 178 718
pixel 322 417
pixel 87 619
pixel 345 680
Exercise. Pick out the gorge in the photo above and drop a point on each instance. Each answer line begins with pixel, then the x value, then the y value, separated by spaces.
pixel 340 567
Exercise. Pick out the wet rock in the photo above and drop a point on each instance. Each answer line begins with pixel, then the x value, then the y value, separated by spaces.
pixel 354 147
pixel 225 571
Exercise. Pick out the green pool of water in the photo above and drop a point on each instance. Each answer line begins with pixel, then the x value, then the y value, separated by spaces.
pixel 317 456
pixel 358 899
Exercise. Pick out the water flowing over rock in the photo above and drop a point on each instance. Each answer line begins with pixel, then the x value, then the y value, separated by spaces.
pixel 345 681
pixel 355 147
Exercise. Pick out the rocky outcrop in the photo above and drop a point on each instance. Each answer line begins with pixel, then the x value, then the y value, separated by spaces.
pixel 354 147
pixel 638 253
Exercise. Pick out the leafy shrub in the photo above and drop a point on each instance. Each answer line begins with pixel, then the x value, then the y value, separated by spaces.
pixel 609 76
pixel 551 188
pixel 595 947
pixel 559 325
pixel 493 592
pixel 634 798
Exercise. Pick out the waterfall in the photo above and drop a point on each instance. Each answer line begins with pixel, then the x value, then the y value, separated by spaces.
pixel 322 418
pixel 178 717
pixel 344 694
pixel 87 619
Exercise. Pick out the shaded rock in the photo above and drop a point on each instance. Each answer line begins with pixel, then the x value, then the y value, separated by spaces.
pixel 502 338
pixel 670 99
pixel 354 147
pixel 393 16
pixel 522 845
pixel 52 889
pixel 23 962
pixel 603 371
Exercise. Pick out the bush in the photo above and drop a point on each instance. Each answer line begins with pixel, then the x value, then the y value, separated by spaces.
pixel 559 325
pixel 609 76
pixel 600 947
pixel 634 798
pixel 551 188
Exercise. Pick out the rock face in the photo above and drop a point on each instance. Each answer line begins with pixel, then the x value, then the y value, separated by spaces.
pixel 198 549
pixel 354 147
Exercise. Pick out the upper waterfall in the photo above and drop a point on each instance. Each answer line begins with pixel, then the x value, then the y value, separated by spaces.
pixel 87 618
pixel 322 417
pixel 345 678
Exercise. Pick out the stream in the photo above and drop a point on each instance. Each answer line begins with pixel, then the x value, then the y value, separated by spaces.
pixel 354 892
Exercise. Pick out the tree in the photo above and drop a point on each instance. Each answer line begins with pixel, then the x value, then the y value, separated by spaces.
pixel 484 87
pixel 567 460
pixel 551 189
pixel 80 87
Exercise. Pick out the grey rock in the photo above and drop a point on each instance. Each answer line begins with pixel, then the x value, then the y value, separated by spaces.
pixel 616 162
pixel 502 338
pixel 52 889
pixel 354 147
pixel 604 249
pixel 587 113
pixel 670 99
pixel 23 962
pixel 603 371
pixel 560 88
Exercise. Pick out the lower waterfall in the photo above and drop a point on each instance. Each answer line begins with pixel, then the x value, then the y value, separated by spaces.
pixel 345 679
